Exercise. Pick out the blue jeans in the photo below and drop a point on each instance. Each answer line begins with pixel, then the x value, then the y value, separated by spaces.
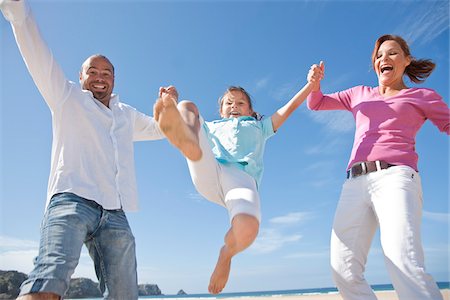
pixel 71 221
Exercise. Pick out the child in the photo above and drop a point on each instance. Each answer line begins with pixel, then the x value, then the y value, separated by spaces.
pixel 225 160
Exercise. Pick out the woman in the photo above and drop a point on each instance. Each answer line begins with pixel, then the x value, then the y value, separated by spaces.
pixel 383 186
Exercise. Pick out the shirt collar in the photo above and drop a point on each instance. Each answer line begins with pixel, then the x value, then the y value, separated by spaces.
pixel 114 99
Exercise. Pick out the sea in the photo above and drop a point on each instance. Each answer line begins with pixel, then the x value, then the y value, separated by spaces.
pixel 310 291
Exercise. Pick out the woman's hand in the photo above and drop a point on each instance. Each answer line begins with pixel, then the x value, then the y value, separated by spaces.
pixel 315 75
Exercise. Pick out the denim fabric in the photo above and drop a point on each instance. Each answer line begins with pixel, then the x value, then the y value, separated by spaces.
pixel 71 221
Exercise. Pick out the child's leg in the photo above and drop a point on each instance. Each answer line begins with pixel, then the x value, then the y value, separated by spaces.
pixel 180 125
pixel 224 185
pixel 242 202
pixel 206 172
pixel 243 231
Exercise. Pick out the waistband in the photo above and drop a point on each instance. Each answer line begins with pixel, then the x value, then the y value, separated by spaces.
pixel 365 167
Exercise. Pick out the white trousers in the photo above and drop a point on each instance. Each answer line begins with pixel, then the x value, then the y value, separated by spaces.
pixel 226 185
pixel 390 199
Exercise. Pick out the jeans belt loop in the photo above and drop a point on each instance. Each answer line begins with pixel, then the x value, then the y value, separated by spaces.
pixel 364 168
pixel 378 164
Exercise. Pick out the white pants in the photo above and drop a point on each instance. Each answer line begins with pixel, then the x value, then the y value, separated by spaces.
pixel 392 200
pixel 226 185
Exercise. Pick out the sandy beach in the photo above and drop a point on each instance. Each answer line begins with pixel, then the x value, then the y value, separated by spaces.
pixel 381 295
pixel 388 295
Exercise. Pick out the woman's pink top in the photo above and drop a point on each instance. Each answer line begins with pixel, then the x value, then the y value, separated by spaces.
pixel 386 127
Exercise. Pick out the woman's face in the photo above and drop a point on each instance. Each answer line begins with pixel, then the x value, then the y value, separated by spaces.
pixel 390 63
pixel 235 104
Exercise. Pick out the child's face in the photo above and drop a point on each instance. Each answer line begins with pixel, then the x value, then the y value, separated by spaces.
pixel 235 104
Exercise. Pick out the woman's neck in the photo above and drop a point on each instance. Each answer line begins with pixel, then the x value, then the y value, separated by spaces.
pixel 391 90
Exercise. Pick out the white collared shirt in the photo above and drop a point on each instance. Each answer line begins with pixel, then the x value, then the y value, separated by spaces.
pixel 92 149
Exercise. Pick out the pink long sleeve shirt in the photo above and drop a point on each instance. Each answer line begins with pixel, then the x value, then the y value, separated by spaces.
pixel 386 127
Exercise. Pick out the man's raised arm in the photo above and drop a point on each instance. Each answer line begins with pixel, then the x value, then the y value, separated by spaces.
pixel 46 73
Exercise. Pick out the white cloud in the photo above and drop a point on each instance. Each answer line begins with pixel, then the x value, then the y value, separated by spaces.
pixel 319 166
pixel 337 83
pixel 319 171
pixel 18 254
pixel 429 20
pixel 328 145
pixel 270 240
pixel 285 92
pixel 321 183
pixel 291 218
pixel 11 243
pixel 146 274
pixel 274 238
pixel 19 260
pixel 334 120
pixel 195 196
pixel 316 254
pixel 261 83
pixel 440 250
pixel 437 217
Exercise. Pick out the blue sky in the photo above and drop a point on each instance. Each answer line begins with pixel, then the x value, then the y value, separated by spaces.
pixel 202 47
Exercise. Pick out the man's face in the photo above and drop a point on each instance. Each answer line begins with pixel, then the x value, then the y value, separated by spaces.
pixel 97 76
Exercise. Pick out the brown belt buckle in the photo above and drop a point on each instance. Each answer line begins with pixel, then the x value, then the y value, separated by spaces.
pixel 352 174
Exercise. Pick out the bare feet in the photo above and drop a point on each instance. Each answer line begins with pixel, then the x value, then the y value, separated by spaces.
pixel 39 296
pixel 241 235
pixel 221 272
pixel 175 128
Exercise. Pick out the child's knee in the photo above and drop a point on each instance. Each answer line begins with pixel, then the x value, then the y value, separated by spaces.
pixel 247 226
pixel 188 106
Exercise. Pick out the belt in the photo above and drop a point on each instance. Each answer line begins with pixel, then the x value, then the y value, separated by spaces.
pixel 365 167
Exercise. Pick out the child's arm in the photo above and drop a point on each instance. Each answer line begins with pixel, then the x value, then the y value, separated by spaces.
pixel 281 115
pixel 314 76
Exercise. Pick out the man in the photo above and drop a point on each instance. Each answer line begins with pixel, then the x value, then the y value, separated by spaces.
pixel 92 178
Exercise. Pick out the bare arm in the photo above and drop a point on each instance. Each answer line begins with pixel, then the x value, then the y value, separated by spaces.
pixel 314 76
pixel 281 115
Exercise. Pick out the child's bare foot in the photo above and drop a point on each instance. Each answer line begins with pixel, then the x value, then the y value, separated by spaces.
pixel 175 129
pixel 221 272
